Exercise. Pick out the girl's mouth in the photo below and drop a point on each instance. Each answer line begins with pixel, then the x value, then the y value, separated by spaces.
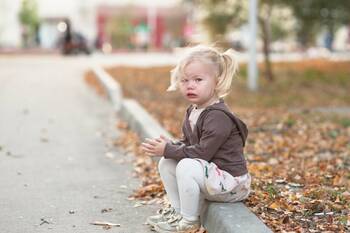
pixel 191 95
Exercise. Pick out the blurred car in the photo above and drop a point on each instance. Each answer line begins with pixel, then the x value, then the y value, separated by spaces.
pixel 76 44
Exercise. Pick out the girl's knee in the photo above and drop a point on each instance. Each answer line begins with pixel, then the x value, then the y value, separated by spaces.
pixel 188 166
pixel 166 164
pixel 189 170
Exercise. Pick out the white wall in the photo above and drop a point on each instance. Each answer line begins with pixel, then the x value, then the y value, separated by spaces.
pixel 10 30
pixel 341 39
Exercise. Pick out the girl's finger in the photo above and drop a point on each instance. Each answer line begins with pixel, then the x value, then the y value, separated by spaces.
pixel 159 139
pixel 148 150
pixel 147 146
pixel 151 141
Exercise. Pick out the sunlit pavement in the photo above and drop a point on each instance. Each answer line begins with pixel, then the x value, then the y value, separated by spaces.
pixel 144 59
pixel 54 136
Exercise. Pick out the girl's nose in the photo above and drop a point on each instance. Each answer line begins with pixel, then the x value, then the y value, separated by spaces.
pixel 190 84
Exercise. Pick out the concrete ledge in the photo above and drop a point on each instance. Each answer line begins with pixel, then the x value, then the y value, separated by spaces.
pixel 232 218
pixel 112 87
pixel 141 121
pixel 219 217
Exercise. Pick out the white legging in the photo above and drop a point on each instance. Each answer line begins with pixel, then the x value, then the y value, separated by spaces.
pixel 184 185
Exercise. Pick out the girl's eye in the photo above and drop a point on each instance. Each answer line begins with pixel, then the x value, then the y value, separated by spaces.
pixel 198 79
pixel 184 80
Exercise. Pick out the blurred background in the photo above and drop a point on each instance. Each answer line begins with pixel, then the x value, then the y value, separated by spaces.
pixel 299 117
pixel 84 26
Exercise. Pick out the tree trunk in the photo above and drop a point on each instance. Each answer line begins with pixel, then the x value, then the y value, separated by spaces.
pixel 268 66
pixel 265 26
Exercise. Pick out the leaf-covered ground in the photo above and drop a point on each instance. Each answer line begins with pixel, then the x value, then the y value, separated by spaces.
pixel 298 158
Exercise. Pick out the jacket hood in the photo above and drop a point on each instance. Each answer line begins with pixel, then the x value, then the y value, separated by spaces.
pixel 242 127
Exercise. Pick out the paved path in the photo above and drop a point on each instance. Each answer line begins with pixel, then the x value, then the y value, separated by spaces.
pixel 54 134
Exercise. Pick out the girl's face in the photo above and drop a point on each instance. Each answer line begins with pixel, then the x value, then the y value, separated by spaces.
pixel 198 84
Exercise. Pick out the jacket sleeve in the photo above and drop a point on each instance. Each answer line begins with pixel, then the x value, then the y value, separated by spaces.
pixel 217 127
pixel 182 141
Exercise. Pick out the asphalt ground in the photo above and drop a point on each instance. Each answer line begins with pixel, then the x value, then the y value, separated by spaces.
pixel 58 169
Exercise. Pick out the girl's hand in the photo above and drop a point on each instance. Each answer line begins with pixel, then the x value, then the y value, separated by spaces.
pixel 164 138
pixel 154 147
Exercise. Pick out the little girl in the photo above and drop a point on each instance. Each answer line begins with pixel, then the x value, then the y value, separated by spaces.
pixel 208 163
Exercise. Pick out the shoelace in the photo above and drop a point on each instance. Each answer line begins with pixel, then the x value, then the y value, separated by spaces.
pixel 174 219
pixel 162 211
pixel 166 211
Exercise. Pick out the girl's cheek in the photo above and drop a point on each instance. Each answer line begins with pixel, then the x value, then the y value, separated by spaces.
pixel 182 87
pixel 182 90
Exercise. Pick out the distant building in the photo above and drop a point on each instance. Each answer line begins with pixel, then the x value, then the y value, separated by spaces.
pixel 156 23
pixel 141 27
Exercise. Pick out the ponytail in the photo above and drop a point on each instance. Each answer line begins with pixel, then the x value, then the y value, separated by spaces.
pixel 229 67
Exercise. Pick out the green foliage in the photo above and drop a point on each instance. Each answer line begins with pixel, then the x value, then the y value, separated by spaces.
pixel 28 16
pixel 216 23
pixel 220 15
pixel 313 15
pixel 333 134
pixel 277 31
pixel 345 122
pixel 289 122
pixel 336 195
pixel 272 191
pixel 343 220
pixel 120 31
pixel 28 13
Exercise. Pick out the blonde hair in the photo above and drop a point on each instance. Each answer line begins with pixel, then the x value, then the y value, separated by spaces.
pixel 225 66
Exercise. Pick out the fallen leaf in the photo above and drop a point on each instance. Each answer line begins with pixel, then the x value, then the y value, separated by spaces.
pixel 107 224
pixel 285 219
pixel 274 206
pixel 110 155
pixel 138 204
pixel 295 185
pixel 45 221
pixel 280 181
pixel 105 210
pixel 44 140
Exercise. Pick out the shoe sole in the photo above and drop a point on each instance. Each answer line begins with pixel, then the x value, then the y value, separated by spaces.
pixel 152 224
pixel 157 229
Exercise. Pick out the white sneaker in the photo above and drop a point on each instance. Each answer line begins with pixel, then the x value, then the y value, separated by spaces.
pixel 177 224
pixel 163 215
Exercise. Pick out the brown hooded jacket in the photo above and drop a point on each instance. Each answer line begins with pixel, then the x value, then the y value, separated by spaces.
pixel 218 136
